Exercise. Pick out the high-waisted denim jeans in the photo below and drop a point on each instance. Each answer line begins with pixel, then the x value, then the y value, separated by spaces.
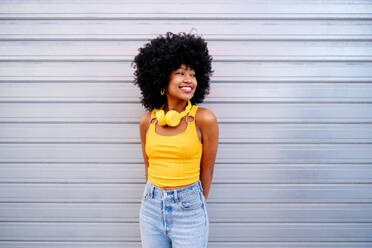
pixel 174 218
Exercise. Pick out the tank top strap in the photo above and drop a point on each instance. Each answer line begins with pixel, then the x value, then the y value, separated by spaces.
pixel 193 110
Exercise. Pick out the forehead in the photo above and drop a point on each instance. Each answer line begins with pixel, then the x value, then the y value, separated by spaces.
pixel 185 67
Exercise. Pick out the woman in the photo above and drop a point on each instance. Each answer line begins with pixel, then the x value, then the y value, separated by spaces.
pixel 179 140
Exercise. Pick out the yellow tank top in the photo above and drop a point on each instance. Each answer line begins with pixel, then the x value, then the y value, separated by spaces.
pixel 173 160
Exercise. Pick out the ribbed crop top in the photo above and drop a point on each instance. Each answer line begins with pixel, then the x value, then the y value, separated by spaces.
pixel 173 160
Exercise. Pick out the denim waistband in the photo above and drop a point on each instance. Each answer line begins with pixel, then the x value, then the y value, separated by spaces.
pixel 153 191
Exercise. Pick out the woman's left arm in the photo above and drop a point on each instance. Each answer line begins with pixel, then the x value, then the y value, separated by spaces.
pixel 208 125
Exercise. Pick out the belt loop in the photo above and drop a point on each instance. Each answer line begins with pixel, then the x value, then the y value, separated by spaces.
pixel 152 192
pixel 175 195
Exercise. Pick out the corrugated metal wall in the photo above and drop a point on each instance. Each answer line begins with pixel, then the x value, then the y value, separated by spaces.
pixel 292 93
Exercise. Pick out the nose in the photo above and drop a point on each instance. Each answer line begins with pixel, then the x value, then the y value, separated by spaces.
pixel 187 78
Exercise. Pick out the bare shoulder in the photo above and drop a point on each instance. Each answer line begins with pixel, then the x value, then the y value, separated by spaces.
pixel 145 121
pixel 205 117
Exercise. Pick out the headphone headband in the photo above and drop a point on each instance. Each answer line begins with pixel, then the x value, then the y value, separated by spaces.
pixel 172 118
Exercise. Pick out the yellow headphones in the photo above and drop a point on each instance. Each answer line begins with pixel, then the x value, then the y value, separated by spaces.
pixel 172 118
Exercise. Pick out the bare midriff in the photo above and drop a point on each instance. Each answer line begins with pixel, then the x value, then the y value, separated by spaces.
pixel 176 187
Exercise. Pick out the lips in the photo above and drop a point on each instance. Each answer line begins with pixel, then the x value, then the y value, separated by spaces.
pixel 189 86
pixel 186 89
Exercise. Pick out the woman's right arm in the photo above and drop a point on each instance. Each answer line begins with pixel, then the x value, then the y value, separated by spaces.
pixel 143 126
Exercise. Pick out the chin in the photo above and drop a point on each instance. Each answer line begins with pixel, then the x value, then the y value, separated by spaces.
pixel 187 98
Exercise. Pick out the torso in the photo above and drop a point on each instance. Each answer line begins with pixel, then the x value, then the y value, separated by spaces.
pixel 172 131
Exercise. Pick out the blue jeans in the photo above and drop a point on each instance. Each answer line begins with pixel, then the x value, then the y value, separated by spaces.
pixel 174 218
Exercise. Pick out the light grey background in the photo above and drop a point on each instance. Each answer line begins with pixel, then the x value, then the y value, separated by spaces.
pixel 292 93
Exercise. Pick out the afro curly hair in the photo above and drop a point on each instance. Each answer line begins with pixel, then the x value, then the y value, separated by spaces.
pixel 159 57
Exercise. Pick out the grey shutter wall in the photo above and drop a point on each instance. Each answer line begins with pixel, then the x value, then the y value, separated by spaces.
pixel 292 93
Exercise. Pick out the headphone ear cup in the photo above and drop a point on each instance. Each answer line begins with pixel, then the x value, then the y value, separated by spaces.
pixel 160 116
pixel 172 118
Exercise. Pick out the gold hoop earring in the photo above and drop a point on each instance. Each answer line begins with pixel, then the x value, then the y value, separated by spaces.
pixel 162 91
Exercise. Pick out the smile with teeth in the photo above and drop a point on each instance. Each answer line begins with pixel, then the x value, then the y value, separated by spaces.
pixel 186 89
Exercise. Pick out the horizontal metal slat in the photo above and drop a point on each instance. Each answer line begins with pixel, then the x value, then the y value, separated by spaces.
pixel 229 133
pixel 222 213
pixel 227 153
pixel 225 112
pixel 223 173
pixel 222 92
pixel 220 193
pixel 218 232
pixel 227 29
pixel 283 7
pixel 125 50
pixel 110 244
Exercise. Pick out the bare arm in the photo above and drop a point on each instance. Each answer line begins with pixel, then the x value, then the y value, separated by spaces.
pixel 208 125
pixel 143 126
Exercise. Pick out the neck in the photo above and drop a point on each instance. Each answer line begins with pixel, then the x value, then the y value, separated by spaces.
pixel 175 104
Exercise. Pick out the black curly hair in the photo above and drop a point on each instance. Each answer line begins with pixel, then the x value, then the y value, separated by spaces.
pixel 158 58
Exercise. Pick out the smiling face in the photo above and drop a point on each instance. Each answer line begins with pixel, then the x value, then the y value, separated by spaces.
pixel 182 83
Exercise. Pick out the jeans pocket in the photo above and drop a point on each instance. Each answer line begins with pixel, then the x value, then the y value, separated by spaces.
pixel 191 201
pixel 145 196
